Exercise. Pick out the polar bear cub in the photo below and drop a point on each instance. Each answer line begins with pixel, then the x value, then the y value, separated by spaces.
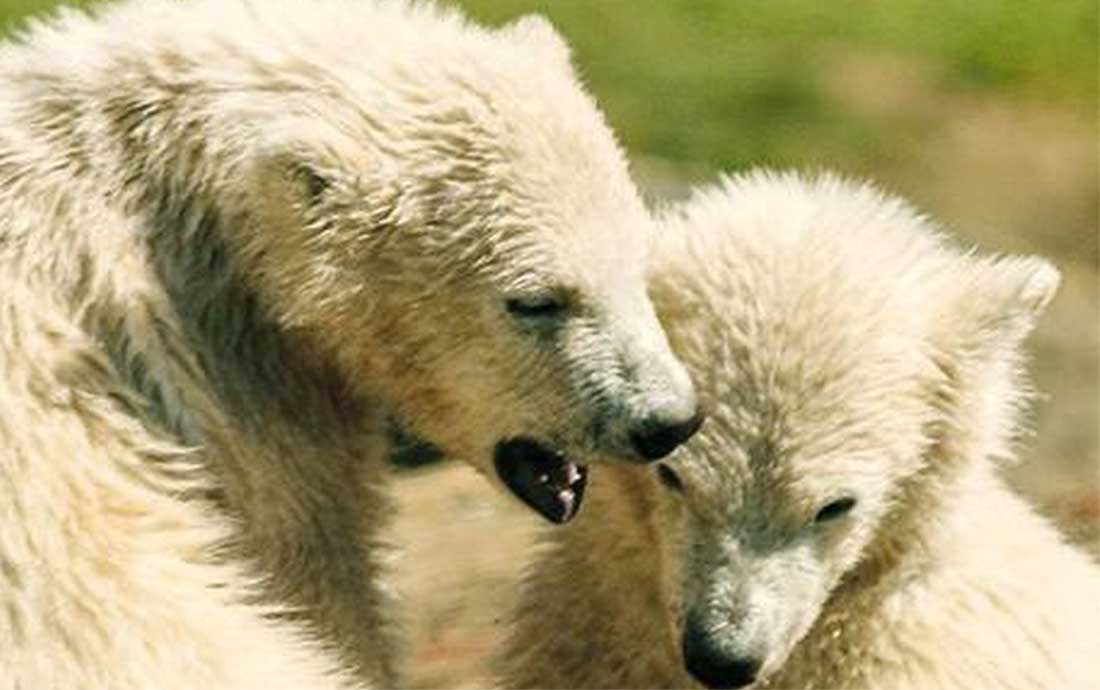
pixel 839 521
pixel 238 238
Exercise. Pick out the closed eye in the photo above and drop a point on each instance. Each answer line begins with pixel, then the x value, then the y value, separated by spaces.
pixel 836 509
pixel 535 307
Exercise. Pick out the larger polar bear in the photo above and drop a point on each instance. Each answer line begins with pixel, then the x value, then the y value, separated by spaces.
pixel 839 521
pixel 237 239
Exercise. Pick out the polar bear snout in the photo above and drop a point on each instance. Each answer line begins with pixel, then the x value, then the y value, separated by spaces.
pixel 664 412
pixel 711 662
pixel 660 434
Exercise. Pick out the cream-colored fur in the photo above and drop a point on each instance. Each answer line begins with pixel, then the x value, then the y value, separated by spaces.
pixel 843 348
pixel 108 579
pixel 237 239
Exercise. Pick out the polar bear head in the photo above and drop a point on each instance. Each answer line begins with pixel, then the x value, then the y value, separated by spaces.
pixel 436 211
pixel 854 367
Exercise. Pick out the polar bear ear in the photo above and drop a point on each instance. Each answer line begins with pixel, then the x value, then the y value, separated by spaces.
pixel 536 30
pixel 311 179
pixel 285 177
pixel 1004 298
pixel 982 387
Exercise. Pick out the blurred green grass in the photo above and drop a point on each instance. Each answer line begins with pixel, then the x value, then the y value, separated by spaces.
pixel 724 84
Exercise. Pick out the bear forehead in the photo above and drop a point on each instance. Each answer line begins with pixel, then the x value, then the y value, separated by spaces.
pixel 775 416
pixel 794 355
pixel 802 307
pixel 782 458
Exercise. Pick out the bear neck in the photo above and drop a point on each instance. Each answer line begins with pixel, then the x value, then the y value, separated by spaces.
pixel 262 374
pixel 138 256
pixel 280 430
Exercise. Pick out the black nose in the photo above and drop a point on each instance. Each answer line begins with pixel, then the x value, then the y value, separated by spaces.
pixel 657 437
pixel 713 666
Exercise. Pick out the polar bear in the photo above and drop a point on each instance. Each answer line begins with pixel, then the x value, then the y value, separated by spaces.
pixel 239 239
pixel 839 521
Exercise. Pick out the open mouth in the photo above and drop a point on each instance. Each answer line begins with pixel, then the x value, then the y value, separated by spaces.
pixel 542 478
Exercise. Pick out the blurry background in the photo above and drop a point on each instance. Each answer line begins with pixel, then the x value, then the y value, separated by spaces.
pixel 982 112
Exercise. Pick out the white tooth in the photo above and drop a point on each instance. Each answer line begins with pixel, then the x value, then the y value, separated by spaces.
pixel 566 497
pixel 572 474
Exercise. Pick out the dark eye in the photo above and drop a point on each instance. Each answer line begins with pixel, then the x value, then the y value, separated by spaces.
pixel 836 509
pixel 669 478
pixel 536 307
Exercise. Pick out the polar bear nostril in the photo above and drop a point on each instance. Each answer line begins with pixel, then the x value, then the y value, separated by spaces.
pixel 713 666
pixel 655 437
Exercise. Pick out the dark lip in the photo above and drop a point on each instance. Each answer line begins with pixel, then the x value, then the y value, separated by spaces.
pixel 542 477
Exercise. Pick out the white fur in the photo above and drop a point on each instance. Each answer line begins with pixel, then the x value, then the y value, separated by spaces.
pixel 237 239
pixel 842 347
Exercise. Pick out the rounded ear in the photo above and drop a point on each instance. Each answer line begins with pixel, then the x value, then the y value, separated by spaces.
pixel 993 305
pixel 536 30
pixel 285 184
pixel 1040 281
pixel 312 181
pixel 1005 299
pixel 307 156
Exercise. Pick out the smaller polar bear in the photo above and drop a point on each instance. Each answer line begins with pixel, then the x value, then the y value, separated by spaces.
pixel 839 521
